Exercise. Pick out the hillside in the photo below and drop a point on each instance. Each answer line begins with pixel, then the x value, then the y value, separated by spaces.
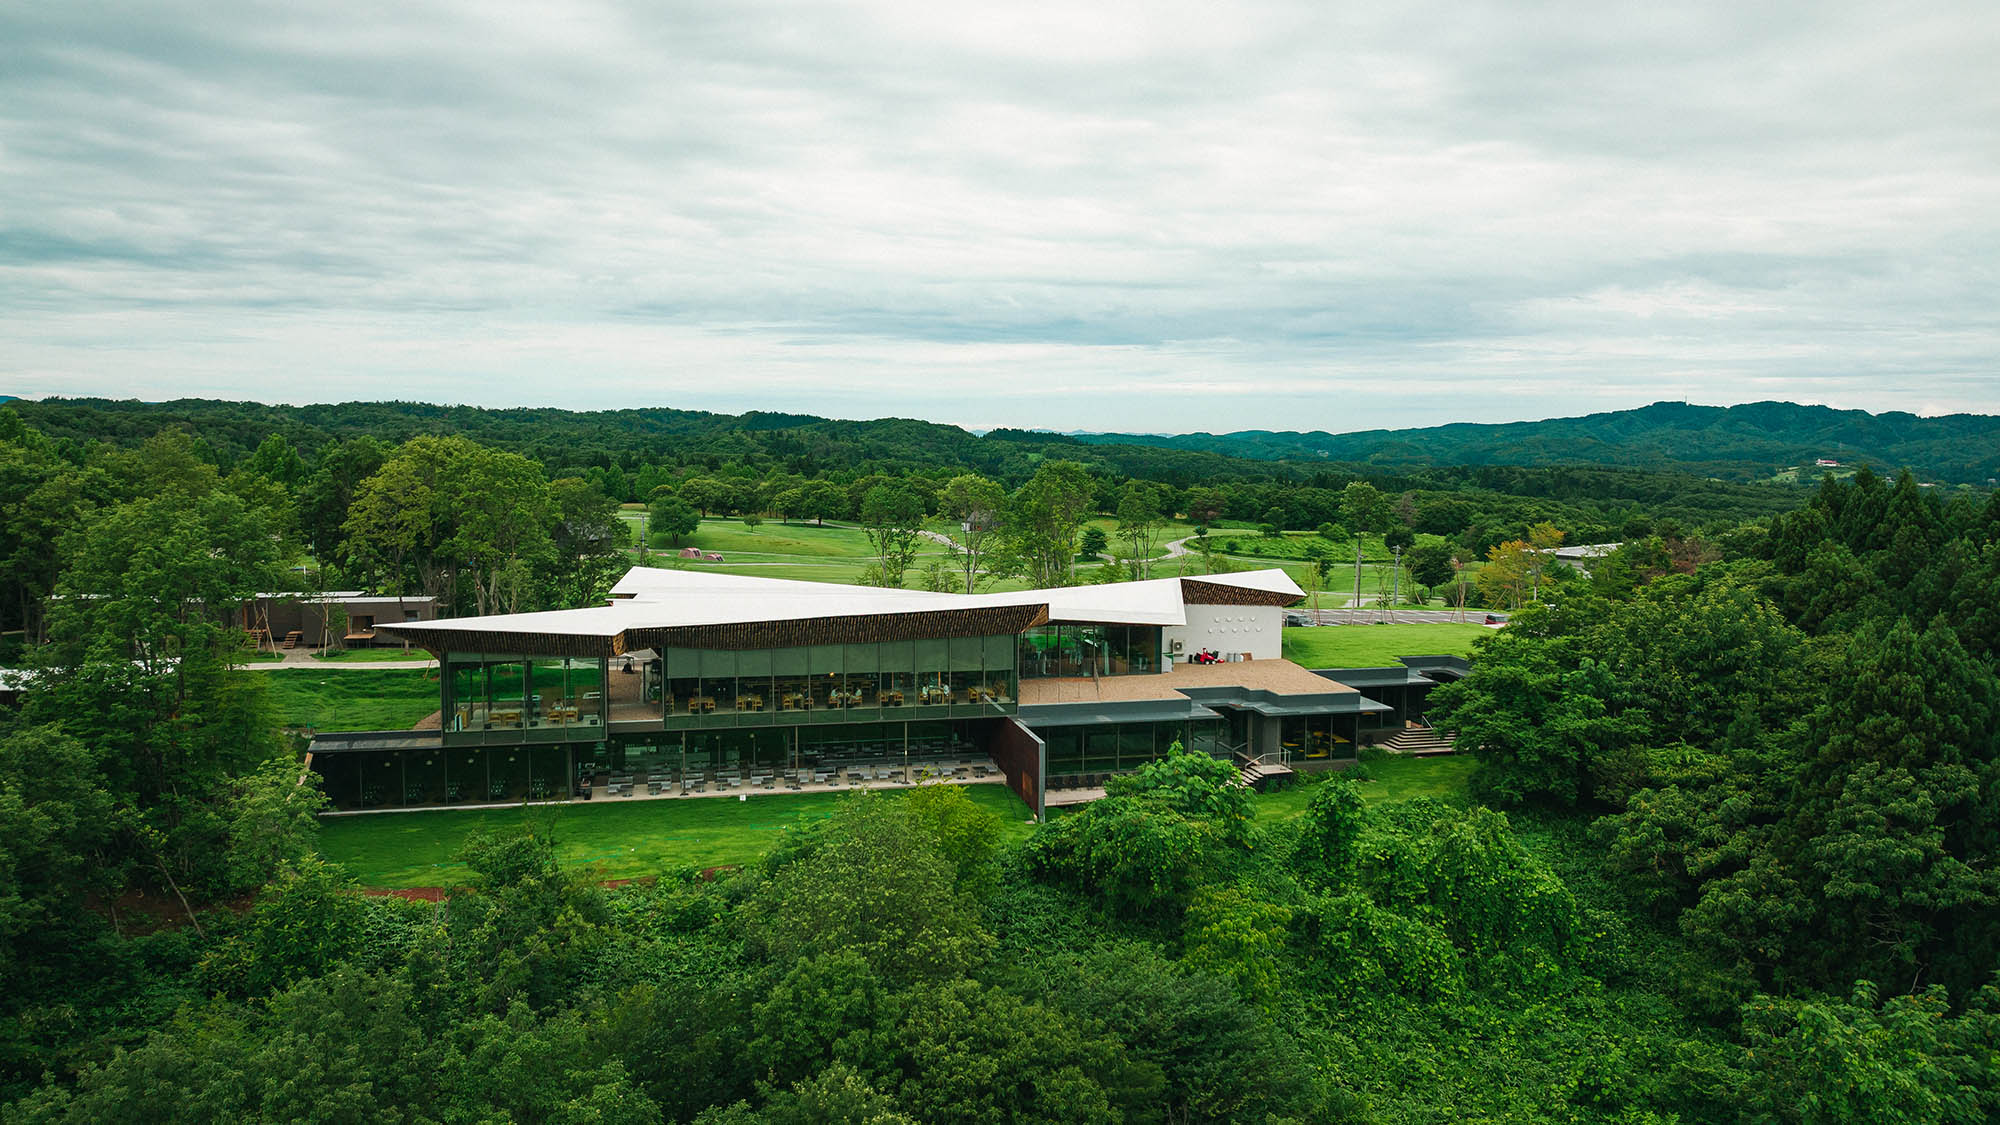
pixel 797 443
pixel 1748 442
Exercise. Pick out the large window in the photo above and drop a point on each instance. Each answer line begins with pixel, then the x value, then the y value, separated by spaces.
pixel 1117 747
pixel 433 777
pixel 1090 650
pixel 543 696
pixel 559 699
pixel 838 684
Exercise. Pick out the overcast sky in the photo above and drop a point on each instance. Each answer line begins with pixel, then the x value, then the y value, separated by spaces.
pixel 1067 215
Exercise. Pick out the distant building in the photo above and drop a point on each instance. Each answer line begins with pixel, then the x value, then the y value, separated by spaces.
pixel 1826 463
pixel 1582 555
pixel 347 617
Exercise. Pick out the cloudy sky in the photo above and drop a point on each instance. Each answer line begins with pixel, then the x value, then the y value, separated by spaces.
pixel 1153 216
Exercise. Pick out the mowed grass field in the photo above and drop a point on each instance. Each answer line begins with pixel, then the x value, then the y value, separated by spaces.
pixel 371 655
pixel 633 839
pixel 351 698
pixel 1377 646
pixel 618 839
pixel 1390 779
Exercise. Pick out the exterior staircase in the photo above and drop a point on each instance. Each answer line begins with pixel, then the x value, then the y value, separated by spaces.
pixel 1420 742
pixel 1258 773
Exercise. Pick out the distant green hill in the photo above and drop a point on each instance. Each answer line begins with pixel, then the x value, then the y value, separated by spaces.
pixel 1749 442
pixel 799 443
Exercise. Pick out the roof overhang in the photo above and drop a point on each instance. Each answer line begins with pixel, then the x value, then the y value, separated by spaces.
pixel 1124 711
pixel 605 637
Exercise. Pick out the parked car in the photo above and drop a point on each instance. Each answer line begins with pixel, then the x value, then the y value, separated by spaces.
pixel 1299 619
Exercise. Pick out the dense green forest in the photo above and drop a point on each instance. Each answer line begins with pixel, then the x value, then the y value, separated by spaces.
pixel 345 483
pixel 1749 442
pixel 1729 853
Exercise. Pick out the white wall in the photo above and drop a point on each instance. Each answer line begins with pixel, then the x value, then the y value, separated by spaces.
pixel 1255 629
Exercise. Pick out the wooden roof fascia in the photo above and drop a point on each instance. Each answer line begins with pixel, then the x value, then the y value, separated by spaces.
pixel 866 628
pixel 1196 592
pixel 438 637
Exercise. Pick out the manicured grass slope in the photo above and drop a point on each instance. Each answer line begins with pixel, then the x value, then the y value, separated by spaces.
pixel 351 698
pixel 371 655
pixel 1376 646
pixel 621 839
pixel 1390 779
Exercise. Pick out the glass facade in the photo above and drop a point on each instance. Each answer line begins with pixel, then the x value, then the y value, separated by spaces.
pixel 444 776
pixel 539 697
pixel 956 677
pixel 1089 650
pixel 491 697
pixel 1317 736
pixel 784 748
pixel 1111 747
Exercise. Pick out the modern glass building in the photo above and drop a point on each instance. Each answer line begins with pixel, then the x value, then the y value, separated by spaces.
pixel 688 679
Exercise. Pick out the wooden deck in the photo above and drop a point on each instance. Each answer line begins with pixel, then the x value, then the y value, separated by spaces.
pixel 1279 677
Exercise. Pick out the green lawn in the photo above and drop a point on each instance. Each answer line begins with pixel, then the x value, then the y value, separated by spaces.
pixel 621 839
pixel 371 655
pixel 359 699
pixel 795 540
pixel 1391 779
pixel 1377 646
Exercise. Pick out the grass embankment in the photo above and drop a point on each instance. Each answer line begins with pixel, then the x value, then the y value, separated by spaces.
pixel 371 655
pixel 806 552
pixel 1389 779
pixel 621 839
pixel 1378 646
pixel 370 699
pixel 629 839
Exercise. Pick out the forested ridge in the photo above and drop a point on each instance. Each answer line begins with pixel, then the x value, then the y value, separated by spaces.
pixel 1729 853
pixel 1746 442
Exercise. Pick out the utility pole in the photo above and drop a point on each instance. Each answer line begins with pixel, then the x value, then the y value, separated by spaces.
pixel 1355 605
pixel 1397 587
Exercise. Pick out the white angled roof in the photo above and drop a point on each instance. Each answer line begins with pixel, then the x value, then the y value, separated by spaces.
pixel 650 597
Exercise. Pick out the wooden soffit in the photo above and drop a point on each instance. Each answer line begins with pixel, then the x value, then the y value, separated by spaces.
pixel 856 629
pixel 439 637
pixel 1196 592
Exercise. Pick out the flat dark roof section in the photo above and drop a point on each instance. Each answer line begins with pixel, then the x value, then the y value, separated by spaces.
pixel 359 741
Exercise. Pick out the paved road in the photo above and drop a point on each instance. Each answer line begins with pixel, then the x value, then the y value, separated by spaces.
pixel 1403 616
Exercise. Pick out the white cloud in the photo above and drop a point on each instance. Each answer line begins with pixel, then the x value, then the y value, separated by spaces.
pixel 1069 215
